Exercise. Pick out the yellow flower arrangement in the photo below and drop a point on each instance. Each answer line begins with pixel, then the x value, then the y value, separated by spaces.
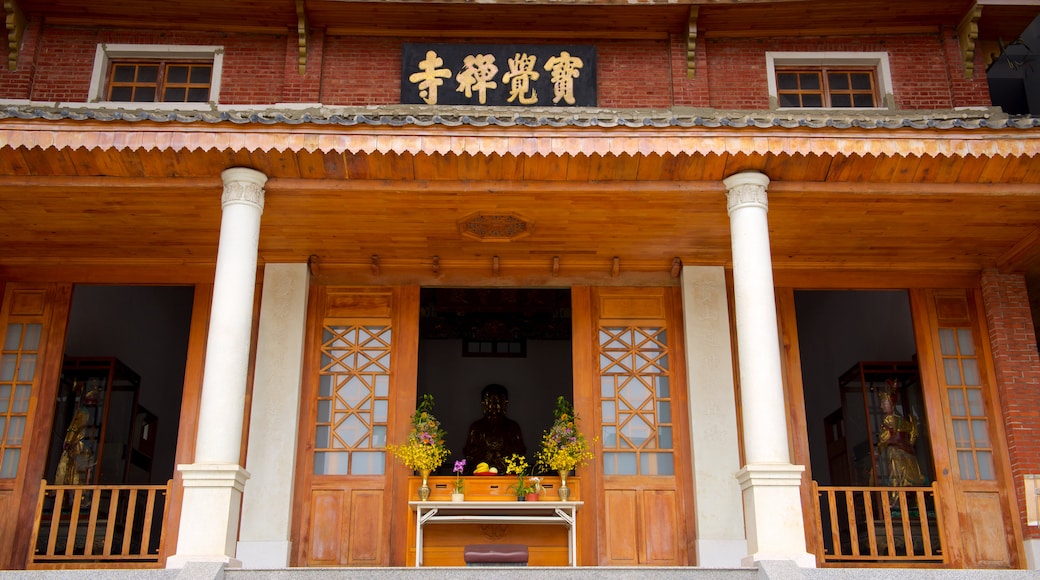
pixel 564 447
pixel 517 465
pixel 424 448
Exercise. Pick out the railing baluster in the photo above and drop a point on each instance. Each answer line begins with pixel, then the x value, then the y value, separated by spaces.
pixel 904 516
pixel 835 528
pixel 110 523
pixel 128 524
pixel 70 535
pixel 922 520
pixel 146 530
pixel 850 512
pixel 95 502
pixel 52 542
pixel 868 510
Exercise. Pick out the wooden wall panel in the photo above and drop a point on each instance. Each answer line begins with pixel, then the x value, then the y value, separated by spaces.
pixel 986 542
pixel 326 513
pixel 367 543
pixel 661 528
pixel 622 517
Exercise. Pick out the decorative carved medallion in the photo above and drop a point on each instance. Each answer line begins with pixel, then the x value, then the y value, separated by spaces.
pixel 494 227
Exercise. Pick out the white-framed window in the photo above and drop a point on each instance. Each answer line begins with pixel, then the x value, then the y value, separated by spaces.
pixel 157 75
pixel 829 80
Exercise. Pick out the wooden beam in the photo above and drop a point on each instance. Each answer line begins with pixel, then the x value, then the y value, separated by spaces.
pixel 1024 252
pixel 301 35
pixel 15 24
pixel 967 35
pixel 691 42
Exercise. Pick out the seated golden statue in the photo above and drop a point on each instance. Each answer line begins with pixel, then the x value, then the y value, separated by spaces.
pixel 896 446
pixel 493 437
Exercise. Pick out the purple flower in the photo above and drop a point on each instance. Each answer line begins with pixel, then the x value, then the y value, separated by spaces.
pixel 459 466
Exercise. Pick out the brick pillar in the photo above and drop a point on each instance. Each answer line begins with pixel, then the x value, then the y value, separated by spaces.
pixel 1017 379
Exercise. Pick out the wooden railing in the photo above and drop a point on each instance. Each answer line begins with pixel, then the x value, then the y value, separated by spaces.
pixel 878 525
pixel 113 526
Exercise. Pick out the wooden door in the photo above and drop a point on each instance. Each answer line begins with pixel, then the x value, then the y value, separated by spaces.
pixel 640 411
pixel 968 437
pixel 33 319
pixel 358 393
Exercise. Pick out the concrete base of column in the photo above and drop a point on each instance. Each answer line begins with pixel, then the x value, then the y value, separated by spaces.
pixel 1032 546
pixel 720 553
pixel 773 514
pixel 209 514
pixel 264 555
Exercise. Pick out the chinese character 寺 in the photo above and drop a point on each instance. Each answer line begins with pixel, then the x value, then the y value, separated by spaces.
pixel 430 77
pixel 564 70
pixel 477 74
pixel 520 76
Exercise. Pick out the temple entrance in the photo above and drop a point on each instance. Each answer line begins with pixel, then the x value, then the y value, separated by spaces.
pixel 473 337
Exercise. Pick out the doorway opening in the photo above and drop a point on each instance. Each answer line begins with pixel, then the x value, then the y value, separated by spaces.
pixel 869 445
pixel 113 438
pixel 125 354
pixel 472 337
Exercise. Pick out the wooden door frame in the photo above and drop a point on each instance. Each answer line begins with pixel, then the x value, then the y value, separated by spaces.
pixel 923 327
pixel 404 315
pixel 37 434
pixel 922 304
pixel 585 321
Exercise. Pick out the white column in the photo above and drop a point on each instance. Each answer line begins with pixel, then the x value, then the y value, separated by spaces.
pixel 213 484
pixel 713 419
pixel 770 483
pixel 267 504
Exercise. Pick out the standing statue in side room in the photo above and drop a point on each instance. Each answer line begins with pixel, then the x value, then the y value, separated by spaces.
pixel 896 443
pixel 76 456
pixel 493 437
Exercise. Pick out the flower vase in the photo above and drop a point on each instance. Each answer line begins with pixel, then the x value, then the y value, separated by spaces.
pixel 458 497
pixel 424 488
pixel 564 491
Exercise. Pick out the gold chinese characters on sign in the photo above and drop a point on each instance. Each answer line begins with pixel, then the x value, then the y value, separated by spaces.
pixel 468 74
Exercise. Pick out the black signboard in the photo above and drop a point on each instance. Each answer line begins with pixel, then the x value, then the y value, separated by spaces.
pixel 533 75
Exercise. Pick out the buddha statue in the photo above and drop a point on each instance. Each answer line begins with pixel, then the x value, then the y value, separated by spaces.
pixel 493 437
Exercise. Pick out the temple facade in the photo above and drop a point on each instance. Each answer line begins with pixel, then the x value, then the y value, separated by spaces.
pixel 779 255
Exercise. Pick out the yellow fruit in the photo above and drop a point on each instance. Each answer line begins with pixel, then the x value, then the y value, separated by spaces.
pixel 494 470
pixel 481 467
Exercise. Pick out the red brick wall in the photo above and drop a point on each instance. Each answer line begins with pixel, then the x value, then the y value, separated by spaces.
pixel 361 71
pixel 920 66
pixel 254 69
pixel 927 71
pixel 1017 368
pixel 634 74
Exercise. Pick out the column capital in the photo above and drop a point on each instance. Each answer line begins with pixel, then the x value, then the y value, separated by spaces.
pixel 243 185
pixel 747 188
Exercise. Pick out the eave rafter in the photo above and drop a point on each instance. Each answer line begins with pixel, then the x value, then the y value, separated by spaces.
pixel 515 143
pixel 14 22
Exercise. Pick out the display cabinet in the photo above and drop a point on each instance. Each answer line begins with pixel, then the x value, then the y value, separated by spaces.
pixel 95 415
pixel 855 430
